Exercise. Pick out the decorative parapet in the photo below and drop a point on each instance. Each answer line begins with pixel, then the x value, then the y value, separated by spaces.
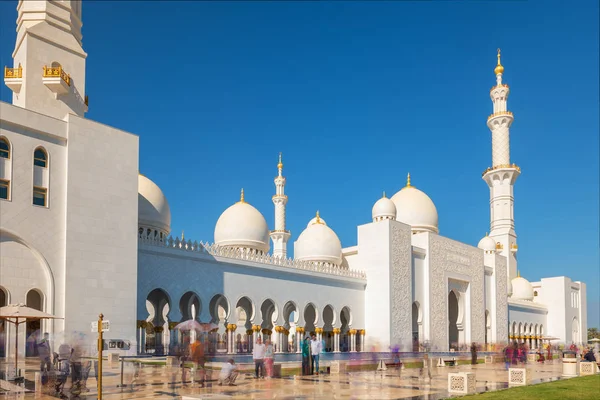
pixel 247 255
pixel 502 166
pixel 12 73
pixel 496 114
pixel 57 72
pixel 502 85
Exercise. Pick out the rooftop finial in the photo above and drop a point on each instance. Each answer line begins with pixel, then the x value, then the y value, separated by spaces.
pixel 518 274
pixel 182 236
pixel 280 165
pixel 408 180
pixel 242 196
pixel 384 194
pixel 499 68
pixel 318 218
pixel 486 234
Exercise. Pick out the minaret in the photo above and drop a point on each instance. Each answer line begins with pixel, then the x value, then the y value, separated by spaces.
pixel 48 74
pixel 502 175
pixel 280 236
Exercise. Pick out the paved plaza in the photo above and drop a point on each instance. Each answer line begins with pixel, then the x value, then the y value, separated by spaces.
pixel 161 382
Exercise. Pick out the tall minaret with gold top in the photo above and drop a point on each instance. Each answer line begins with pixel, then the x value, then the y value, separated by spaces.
pixel 48 71
pixel 280 235
pixel 502 175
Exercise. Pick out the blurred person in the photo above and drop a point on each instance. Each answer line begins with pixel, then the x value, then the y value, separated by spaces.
pixel 473 353
pixel 589 355
pixel 315 352
pixel 197 355
pixel 184 355
pixel 305 356
pixel 45 354
pixel 64 367
pixel 228 373
pixel 258 355
pixel 269 358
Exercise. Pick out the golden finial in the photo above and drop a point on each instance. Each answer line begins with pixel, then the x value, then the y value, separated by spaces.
pixel 182 236
pixel 499 68
pixel 318 217
pixel 518 274
pixel 383 195
pixel 242 197
pixel 280 165
pixel 408 180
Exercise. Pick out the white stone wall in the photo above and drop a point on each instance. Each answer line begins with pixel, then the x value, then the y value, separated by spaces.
pixel 178 272
pixel 40 230
pixel 457 261
pixel 102 219
pixel 500 291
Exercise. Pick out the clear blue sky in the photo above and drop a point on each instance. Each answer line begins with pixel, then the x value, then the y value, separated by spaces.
pixel 355 95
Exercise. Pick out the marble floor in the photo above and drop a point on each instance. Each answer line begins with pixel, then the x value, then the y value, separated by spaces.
pixel 160 382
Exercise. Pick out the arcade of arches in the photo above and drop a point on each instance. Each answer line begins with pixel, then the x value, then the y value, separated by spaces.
pixel 530 334
pixel 232 329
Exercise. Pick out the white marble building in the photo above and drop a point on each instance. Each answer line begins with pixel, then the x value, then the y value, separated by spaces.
pixel 73 248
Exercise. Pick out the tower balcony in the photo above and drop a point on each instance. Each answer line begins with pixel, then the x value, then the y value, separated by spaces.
pixel 56 79
pixel 500 113
pixel 13 78
pixel 502 166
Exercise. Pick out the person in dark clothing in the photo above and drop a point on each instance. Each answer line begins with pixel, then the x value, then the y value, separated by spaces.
pixel 589 356
pixel 306 357
pixel 473 353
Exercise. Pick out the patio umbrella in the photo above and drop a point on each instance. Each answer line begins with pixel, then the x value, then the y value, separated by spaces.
pixel 17 314
pixel 594 340
pixel 192 324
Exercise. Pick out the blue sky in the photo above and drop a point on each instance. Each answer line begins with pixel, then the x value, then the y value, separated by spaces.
pixel 355 95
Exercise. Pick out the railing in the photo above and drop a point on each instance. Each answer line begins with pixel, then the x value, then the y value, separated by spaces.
pixel 13 72
pixel 57 72
pixel 502 85
pixel 500 113
pixel 501 166
pixel 249 255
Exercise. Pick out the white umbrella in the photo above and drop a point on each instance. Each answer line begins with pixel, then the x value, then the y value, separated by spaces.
pixel 17 314
pixel 192 324
pixel 594 340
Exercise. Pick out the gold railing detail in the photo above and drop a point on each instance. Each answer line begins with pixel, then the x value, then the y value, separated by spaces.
pixel 13 72
pixel 500 113
pixel 501 166
pixel 87 100
pixel 57 72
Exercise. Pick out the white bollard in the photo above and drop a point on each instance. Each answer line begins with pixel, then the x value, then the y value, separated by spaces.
pixel 38 382
pixel 461 382
pixel 517 377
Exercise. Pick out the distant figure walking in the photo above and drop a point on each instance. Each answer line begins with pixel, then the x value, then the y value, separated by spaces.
pixel 305 357
pixel 473 353
pixel 258 355
pixel 315 351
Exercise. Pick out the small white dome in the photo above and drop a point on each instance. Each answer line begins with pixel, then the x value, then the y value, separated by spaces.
pixel 153 207
pixel 521 289
pixel 318 243
pixel 487 244
pixel 415 208
pixel 383 209
pixel 242 225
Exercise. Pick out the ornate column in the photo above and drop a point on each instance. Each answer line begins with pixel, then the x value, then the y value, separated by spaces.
pixel 319 332
pixel 286 337
pixel 231 338
pixel 279 337
pixel 299 334
pixel 362 340
pixel 336 340
pixel 255 330
pixel 352 333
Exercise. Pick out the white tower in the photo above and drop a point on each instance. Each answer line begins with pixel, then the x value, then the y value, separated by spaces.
pixel 280 236
pixel 502 175
pixel 48 74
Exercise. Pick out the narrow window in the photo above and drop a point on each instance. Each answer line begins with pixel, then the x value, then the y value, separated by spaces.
pixel 4 189
pixel 40 196
pixel 4 148
pixel 40 158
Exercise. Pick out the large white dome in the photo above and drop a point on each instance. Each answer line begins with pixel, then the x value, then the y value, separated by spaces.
pixel 318 243
pixel 153 207
pixel 487 244
pixel 415 208
pixel 383 209
pixel 521 289
pixel 242 225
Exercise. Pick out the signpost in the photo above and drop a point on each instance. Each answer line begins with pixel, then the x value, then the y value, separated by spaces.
pixel 104 327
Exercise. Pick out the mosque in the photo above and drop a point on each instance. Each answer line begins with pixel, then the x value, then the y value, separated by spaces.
pixel 83 232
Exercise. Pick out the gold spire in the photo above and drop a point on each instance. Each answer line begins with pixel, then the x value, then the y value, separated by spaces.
pixel 499 68
pixel 408 180
pixel 182 236
pixel 384 195
pixel 486 234
pixel 318 218
pixel 280 165
pixel 242 197
pixel 518 274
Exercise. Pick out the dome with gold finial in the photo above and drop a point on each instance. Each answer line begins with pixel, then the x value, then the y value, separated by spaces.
pixel 154 214
pixel 521 289
pixel 383 209
pixel 487 244
pixel 318 243
pixel 242 226
pixel 499 68
pixel 415 208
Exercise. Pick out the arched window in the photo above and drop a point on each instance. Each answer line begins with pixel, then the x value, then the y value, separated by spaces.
pixel 4 148
pixel 40 157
